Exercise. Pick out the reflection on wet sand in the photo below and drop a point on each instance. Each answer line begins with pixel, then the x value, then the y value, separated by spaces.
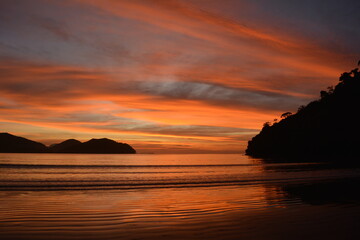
pixel 232 212
pixel 328 192
pixel 242 200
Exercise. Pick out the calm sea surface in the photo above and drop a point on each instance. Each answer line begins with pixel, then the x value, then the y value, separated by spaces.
pixel 224 196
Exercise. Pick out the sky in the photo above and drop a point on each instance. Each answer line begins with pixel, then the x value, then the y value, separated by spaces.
pixel 167 76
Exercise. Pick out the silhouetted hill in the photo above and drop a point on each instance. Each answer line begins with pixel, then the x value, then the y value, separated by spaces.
pixel 326 128
pixel 13 144
pixel 61 147
pixel 102 145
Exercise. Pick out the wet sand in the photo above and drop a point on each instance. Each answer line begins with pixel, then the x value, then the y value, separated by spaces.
pixel 165 197
pixel 228 212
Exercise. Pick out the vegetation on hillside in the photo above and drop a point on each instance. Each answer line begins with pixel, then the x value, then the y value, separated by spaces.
pixel 328 127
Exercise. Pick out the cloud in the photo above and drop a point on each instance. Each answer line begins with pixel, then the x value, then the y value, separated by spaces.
pixel 229 34
pixel 73 99
pixel 222 95
pixel 183 73
pixel 55 27
pixel 48 84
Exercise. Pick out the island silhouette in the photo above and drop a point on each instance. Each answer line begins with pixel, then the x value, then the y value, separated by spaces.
pixel 14 144
pixel 325 129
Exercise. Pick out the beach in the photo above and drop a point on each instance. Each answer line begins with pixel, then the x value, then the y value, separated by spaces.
pixel 199 196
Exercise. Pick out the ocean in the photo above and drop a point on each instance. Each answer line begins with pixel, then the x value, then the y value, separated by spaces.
pixel 169 196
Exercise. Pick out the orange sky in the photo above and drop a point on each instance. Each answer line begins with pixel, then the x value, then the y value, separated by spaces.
pixel 186 76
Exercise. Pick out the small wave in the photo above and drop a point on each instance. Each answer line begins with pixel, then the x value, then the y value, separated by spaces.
pixel 116 184
pixel 107 173
pixel 5 165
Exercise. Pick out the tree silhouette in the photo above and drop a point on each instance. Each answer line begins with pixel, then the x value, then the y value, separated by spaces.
pixel 286 114
pixel 323 129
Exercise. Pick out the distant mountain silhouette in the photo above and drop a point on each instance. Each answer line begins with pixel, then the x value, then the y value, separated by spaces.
pixel 61 147
pixel 13 144
pixel 326 128
pixel 102 145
